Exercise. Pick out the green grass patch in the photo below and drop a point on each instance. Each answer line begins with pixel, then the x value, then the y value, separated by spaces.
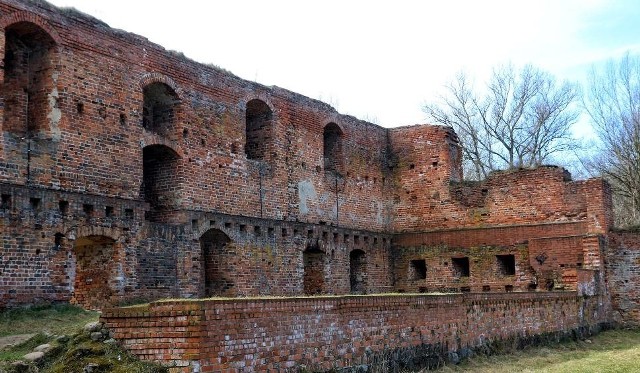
pixel 609 351
pixel 18 351
pixel 52 319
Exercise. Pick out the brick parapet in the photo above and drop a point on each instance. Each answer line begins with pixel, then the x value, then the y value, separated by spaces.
pixel 336 332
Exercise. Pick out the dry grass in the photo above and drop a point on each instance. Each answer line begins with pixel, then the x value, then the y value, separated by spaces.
pixel 609 351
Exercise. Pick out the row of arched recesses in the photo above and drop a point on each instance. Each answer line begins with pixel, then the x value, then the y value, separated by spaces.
pixel 29 66
pixel 314 261
pixel 218 272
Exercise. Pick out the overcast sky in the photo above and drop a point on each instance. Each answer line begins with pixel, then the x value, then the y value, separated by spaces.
pixel 380 60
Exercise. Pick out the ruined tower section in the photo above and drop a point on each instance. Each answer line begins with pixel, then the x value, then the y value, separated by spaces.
pixel 518 230
pixel 423 161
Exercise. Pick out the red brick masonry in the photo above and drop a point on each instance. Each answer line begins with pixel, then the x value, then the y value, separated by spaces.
pixel 288 334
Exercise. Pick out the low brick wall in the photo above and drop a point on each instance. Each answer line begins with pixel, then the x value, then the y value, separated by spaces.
pixel 288 334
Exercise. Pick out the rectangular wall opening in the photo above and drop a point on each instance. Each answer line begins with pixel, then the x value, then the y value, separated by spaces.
pixel 418 269
pixel 460 266
pixel 506 265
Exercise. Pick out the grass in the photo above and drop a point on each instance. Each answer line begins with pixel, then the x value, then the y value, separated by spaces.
pixel 609 351
pixel 18 351
pixel 70 354
pixel 54 319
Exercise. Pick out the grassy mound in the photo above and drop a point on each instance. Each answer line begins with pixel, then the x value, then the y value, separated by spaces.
pixel 71 348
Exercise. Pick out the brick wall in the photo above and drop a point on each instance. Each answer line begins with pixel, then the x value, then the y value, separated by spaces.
pixel 182 179
pixel 623 276
pixel 290 334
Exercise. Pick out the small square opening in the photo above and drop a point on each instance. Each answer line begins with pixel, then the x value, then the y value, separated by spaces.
pixel 87 209
pixel 460 266
pixel 506 265
pixel 128 214
pixel 108 211
pixel 418 269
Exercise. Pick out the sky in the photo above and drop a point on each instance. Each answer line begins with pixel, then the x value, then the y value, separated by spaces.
pixel 380 60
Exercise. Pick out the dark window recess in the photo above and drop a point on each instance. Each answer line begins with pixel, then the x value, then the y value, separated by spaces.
pixel 108 211
pixel 422 289
pixel 506 265
pixel 63 206
pixel 508 288
pixel 57 240
pixel 34 203
pixel 80 107
pixel 194 224
pixel 6 202
pixel 257 230
pixel 270 232
pixel 87 209
pixel 128 213
pixel 284 232
pixel 465 289
pixel 123 119
pixel 258 130
pixel 332 148
pixel 418 269
pixel 460 266
pixel 486 288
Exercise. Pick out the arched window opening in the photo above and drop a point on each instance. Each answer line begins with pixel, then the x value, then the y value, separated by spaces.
pixel 216 273
pixel 93 286
pixel 332 149
pixel 358 271
pixel 313 281
pixel 159 111
pixel 258 130
pixel 160 181
pixel 29 86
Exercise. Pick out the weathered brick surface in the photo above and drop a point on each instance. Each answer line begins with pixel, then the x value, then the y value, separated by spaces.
pixel 319 334
pixel 623 276
pixel 131 172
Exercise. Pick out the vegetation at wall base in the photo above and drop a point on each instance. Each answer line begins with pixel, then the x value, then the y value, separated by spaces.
pixel 614 350
pixel 71 348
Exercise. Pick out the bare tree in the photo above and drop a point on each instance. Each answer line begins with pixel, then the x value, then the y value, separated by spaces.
pixel 613 103
pixel 520 119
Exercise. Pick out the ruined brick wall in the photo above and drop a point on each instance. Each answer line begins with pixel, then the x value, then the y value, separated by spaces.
pixel 549 256
pixel 429 195
pixel 324 333
pixel 184 180
pixel 100 137
pixel 623 274
pixel 161 139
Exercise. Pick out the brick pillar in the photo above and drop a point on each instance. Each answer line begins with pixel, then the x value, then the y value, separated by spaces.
pixel 599 206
